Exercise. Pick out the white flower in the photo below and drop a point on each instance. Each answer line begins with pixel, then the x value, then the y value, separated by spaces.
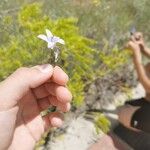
pixel 133 30
pixel 50 39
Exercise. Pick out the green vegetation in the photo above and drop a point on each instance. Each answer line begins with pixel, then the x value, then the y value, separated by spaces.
pixel 101 123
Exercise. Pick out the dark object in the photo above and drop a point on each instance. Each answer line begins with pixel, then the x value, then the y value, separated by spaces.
pixel 140 119
pixel 52 109
pixel 136 140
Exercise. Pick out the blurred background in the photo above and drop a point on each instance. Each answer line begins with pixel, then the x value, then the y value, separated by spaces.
pixel 94 57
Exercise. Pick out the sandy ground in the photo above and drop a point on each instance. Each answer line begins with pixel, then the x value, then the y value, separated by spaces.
pixel 81 132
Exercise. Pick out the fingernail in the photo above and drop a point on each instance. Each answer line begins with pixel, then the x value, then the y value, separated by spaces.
pixel 46 68
pixel 68 106
pixel 56 122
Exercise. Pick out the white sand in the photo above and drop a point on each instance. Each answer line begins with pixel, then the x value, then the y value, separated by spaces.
pixel 80 134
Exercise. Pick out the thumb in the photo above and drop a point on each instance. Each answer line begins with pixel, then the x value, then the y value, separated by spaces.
pixel 16 85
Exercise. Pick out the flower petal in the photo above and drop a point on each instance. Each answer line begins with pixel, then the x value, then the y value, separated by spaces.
pixel 61 41
pixel 55 39
pixel 48 33
pixel 58 40
pixel 51 45
pixel 43 37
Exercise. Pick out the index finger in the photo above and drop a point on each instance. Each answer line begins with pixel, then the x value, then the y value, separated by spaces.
pixel 138 36
pixel 59 76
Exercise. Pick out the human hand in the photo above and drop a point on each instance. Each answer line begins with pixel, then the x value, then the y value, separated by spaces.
pixel 135 48
pixel 137 37
pixel 136 42
pixel 23 95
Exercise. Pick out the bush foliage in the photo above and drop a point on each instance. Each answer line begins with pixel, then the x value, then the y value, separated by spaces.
pixel 101 123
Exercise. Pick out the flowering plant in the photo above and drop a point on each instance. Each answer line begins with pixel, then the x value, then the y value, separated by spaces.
pixel 51 43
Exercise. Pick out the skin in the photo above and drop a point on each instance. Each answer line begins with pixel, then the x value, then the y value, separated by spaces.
pixel 138 47
pixel 23 95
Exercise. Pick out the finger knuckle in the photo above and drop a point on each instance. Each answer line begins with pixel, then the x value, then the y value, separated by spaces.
pixel 22 70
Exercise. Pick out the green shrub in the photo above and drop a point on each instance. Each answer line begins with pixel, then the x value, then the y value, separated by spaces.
pixel 102 123
pixel 109 62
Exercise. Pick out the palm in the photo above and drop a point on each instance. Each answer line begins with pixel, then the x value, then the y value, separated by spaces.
pixel 29 123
